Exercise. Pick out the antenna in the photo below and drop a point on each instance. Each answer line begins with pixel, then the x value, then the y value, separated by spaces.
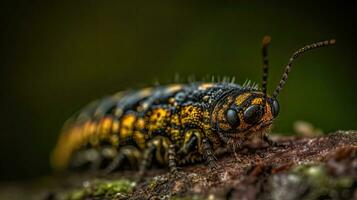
pixel 266 42
pixel 293 58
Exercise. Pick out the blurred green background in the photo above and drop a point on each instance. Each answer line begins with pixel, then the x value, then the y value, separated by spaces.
pixel 58 56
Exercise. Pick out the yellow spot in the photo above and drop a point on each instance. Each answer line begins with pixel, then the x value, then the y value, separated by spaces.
pixel 140 124
pixel 86 130
pixel 92 129
pixel 191 114
pixel 90 133
pixel 115 126
pixel 105 127
pixel 257 101
pixel 158 119
pixel 127 125
pixel 241 98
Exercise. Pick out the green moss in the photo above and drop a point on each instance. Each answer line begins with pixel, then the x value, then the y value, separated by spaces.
pixel 319 178
pixel 76 195
pixel 311 182
pixel 101 188
pixel 110 188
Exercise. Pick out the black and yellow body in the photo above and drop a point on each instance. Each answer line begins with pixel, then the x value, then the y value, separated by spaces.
pixel 169 125
pixel 189 118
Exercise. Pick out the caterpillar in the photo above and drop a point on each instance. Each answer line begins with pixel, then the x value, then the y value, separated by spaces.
pixel 171 125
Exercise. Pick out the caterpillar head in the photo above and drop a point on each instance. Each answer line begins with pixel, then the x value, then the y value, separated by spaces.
pixel 249 111
pixel 245 113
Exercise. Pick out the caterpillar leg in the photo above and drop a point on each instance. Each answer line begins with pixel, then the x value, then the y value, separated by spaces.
pixel 88 159
pixel 194 138
pixel 146 161
pixel 172 159
pixel 208 154
pixel 93 159
pixel 157 148
pixel 129 153
pixel 272 143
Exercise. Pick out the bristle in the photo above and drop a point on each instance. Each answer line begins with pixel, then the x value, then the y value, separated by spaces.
pixel 233 79
pixel 177 78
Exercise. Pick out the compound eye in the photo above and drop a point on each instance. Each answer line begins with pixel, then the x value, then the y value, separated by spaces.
pixel 275 108
pixel 253 114
pixel 232 118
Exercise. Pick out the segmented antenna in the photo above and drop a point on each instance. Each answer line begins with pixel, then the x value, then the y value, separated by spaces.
pixel 266 42
pixel 296 55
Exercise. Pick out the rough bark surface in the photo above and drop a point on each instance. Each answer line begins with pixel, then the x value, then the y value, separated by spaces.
pixel 323 167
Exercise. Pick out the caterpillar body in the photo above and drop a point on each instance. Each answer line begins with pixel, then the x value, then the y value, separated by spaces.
pixel 170 125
